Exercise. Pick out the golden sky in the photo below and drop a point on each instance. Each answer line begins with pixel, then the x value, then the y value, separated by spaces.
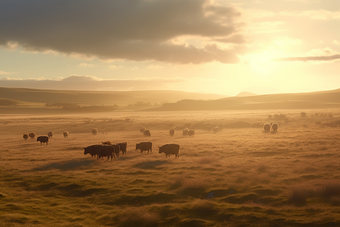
pixel 223 47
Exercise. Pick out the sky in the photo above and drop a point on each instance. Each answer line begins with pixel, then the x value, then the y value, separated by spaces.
pixel 210 46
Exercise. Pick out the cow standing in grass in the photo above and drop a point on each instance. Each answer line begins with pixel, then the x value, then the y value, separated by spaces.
pixel 50 134
pixel 266 127
pixel 144 146
pixel 94 131
pixel 43 139
pixel 275 126
pixel 92 150
pixel 185 132
pixel 32 135
pixel 65 134
pixel 172 132
pixel 105 151
pixel 170 149
pixel 25 136
pixel 122 147
pixel 147 133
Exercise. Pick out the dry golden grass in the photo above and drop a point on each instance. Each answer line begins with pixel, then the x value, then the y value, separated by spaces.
pixel 239 176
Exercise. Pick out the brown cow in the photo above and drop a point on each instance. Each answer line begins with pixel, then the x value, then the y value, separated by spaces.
pixel 31 135
pixel 266 127
pixel 144 146
pixel 170 149
pixel 147 133
pixel 275 126
pixel 25 136
pixel 65 134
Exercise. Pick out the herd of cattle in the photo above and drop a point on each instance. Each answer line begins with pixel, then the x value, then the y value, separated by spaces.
pixel 43 139
pixel 107 149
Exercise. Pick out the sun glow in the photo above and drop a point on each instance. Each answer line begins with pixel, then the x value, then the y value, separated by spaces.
pixel 262 64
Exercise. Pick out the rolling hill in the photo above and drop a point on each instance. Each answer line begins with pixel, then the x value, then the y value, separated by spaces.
pixel 99 97
pixel 321 99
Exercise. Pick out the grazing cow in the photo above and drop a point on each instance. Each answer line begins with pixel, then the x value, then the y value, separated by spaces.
pixel 170 149
pixel 142 130
pixel 31 135
pixel 185 131
pixel 50 134
pixel 144 146
pixel 25 136
pixel 92 150
pixel 147 133
pixel 172 132
pixel 275 126
pixel 43 139
pixel 191 132
pixel 266 127
pixel 105 151
pixel 107 143
pixel 94 131
pixel 116 150
pixel 122 147
pixel 65 134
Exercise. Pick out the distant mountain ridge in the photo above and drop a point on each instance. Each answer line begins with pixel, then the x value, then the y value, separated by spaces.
pixel 99 97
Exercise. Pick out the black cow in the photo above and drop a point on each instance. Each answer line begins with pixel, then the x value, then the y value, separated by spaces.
pixel 170 149
pixel 43 139
pixel 144 146
pixel 92 150
pixel 105 151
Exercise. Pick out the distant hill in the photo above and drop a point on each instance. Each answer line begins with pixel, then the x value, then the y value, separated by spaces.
pixel 322 99
pixel 86 98
pixel 245 94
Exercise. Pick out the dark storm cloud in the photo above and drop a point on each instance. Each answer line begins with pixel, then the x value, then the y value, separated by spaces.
pixel 76 82
pixel 312 58
pixel 125 29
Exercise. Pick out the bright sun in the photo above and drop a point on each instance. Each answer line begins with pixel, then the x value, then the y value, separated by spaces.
pixel 262 64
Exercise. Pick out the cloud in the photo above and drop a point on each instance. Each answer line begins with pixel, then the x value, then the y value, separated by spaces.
pixel 136 30
pixel 78 82
pixel 5 73
pixel 114 67
pixel 311 58
pixel 85 65
pixel 316 55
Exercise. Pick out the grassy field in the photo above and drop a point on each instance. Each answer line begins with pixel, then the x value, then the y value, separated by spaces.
pixel 239 176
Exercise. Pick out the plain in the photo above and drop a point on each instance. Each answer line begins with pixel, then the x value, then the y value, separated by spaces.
pixel 238 176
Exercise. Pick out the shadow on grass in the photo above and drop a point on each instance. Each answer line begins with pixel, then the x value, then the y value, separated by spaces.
pixel 160 198
pixel 150 164
pixel 66 165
